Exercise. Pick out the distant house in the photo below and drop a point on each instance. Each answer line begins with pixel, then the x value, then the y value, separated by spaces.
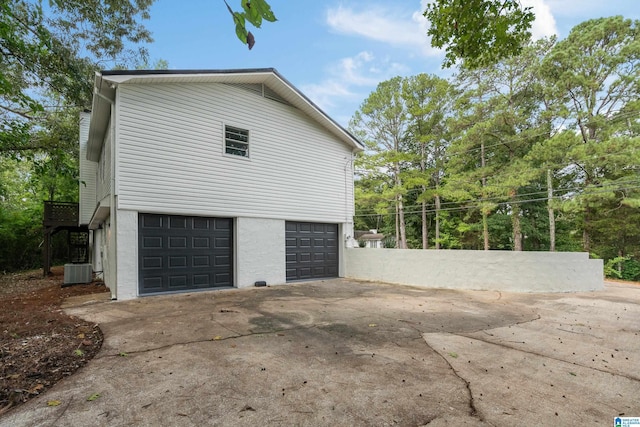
pixel 371 238
pixel 217 178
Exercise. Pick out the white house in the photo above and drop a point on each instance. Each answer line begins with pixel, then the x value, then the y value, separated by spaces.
pixel 202 179
pixel 371 239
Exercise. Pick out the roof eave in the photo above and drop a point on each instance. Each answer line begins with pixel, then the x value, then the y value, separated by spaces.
pixel 269 76
pixel 103 97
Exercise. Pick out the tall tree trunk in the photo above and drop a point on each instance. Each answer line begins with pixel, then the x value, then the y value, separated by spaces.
pixel 437 221
pixel 517 229
pixel 552 216
pixel 425 230
pixel 485 214
pixel 586 237
pixel 485 229
pixel 403 231
pixel 515 222
pixel 397 225
pixel 402 243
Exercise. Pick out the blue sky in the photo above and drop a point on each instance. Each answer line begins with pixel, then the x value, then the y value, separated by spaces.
pixel 336 52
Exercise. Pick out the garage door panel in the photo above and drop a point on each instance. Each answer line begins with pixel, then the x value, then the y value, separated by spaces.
pixel 154 284
pixel 152 221
pixel 149 262
pixel 178 281
pixel 222 242
pixel 201 242
pixel 223 223
pixel 291 242
pixel 177 261
pixel 184 253
pixel 200 261
pixel 224 279
pixel 178 222
pixel 304 227
pixel 311 250
pixel 201 224
pixel 177 242
pixel 201 280
pixel 152 242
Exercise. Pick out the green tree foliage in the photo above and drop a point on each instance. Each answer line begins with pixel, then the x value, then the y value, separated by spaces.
pixel 48 54
pixel 539 151
pixel 53 50
pixel 429 105
pixel 382 122
pixel 479 32
pixel 254 12
pixel 595 73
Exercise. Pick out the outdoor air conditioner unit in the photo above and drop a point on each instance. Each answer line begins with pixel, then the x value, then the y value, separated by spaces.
pixel 77 273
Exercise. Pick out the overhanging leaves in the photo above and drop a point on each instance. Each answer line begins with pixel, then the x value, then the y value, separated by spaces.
pixel 479 32
pixel 254 12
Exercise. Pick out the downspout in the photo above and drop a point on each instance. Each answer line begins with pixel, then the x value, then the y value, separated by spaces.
pixel 112 199
pixel 348 177
pixel 112 202
pixel 349 219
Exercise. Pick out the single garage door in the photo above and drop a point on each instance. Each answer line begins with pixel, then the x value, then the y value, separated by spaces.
pixel 312 250
pixel 182 253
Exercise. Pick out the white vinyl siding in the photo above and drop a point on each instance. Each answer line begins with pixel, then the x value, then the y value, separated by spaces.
pixel 171 156
pixel 87 174
pixel 103 175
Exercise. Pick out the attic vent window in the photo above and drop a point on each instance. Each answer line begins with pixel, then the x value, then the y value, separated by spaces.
pixel 236 141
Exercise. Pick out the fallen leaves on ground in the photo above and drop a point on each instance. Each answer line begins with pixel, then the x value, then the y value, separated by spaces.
pixel 39 343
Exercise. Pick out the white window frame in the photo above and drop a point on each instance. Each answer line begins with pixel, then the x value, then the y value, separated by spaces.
pixel 225 126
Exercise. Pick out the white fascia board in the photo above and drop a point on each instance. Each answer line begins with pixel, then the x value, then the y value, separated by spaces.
pixel 103 97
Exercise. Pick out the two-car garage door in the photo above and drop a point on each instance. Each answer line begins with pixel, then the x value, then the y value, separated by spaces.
pixel 182 253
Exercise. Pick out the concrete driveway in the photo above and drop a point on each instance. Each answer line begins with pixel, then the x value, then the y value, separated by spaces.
pixel 343 352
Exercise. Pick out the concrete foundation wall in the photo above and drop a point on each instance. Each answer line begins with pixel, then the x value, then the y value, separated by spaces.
pixel 479 270
pixel 260 251
pixel 127 254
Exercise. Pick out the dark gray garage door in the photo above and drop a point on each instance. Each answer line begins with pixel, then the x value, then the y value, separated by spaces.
pixel 312 250
pixel 180 253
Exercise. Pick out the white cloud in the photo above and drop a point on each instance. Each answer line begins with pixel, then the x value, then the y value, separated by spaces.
pixel 545 23
pixel 586 9
pixel 384 25
pixel 351 79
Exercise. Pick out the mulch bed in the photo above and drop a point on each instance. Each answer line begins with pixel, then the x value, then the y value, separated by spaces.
pixel 39 343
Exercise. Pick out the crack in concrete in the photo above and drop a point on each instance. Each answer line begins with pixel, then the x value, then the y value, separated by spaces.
pixel 533 353
pixel 200 341
pixel 473 411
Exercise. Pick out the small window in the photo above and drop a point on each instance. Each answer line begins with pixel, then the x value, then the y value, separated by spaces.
pixel 236 141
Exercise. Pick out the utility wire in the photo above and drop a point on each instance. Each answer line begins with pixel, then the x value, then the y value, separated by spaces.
pixel 513 202
pixel 614 185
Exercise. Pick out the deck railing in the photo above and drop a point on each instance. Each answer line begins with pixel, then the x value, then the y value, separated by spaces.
pixel 60 214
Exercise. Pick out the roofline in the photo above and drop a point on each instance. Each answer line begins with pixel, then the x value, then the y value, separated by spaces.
pixel 273 71
pixel 189 71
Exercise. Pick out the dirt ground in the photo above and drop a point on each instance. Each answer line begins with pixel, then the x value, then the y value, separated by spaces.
pixel 39 343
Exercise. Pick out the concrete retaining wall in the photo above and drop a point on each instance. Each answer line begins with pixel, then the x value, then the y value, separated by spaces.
pixel 479 270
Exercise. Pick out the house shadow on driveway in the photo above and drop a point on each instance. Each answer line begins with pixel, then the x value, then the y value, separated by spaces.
pixel 343 352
